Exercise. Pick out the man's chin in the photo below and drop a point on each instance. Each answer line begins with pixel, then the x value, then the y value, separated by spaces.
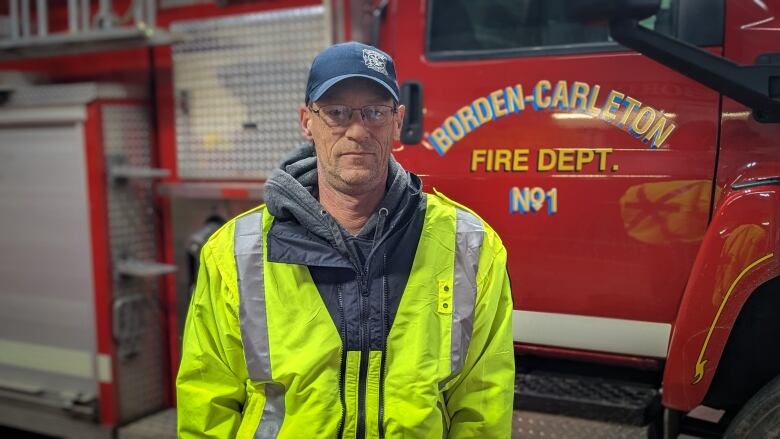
pixel 359 180
pixel 367 179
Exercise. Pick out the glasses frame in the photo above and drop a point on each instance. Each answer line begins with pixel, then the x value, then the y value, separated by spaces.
pixel 393 110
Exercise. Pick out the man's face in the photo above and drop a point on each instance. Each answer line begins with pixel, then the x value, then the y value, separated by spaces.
pixel 352 157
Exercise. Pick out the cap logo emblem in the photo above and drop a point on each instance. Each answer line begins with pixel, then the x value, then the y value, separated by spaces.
pixel 375 61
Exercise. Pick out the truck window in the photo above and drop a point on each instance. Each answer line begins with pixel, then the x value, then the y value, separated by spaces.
pixel 459 29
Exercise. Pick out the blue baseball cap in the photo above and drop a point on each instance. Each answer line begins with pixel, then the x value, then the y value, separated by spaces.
pixel 350 60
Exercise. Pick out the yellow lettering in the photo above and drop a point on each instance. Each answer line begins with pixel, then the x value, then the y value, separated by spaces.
pixel 611 107
pixel 565 160
pixel 503 158
pixel 541 102
pixel 441 139
pixel 584 156
pixel 561 95
pixel 477 157
pixel 519 200
pixel 514 99
pixel 632 104
pixel 547 160
pixel 552 204
pixel 497 99
pixel 454 128
pixel 602 153
pixel 579 95
pixel 520 160
pixel 466 115
pixel 483 109
pixel 643 120
pixel 658 134
pixel 594 94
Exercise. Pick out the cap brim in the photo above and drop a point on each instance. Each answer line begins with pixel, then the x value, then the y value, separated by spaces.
pixel 325 86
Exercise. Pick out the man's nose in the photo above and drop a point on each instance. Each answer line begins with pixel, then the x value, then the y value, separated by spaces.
pixel 356 130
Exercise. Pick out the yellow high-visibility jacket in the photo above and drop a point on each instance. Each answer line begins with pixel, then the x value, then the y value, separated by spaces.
pixel 284 338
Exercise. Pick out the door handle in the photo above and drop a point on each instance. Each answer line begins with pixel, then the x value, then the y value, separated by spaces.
pixel 412 99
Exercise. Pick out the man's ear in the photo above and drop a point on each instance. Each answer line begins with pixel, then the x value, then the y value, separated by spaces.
pixel 305 119
pixel 398 122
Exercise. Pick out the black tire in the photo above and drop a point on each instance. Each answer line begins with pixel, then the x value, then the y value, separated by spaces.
pixel 760 416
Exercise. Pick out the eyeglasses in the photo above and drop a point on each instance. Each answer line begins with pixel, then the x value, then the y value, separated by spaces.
pixel 374 116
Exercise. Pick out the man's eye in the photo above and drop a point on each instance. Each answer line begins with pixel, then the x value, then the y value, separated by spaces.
pixel 334 113
pixel 376 113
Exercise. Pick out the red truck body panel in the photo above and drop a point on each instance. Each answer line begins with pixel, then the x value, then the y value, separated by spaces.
pixel 739 254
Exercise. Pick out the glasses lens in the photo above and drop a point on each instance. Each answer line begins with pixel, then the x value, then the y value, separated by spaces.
pixel 376 115
pixel 336 115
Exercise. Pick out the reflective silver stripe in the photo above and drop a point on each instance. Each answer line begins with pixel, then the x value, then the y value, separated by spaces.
pixel 248 250
pixel 273 412
pixel 468 243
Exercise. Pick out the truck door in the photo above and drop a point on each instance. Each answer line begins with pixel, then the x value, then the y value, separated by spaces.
pixel 593 163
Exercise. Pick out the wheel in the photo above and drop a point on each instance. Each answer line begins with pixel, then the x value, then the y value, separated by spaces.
pixel 760 417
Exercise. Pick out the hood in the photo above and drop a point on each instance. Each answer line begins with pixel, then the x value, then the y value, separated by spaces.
pixel 291 195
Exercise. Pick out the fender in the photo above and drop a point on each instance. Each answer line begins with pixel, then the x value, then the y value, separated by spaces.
pixel 739 252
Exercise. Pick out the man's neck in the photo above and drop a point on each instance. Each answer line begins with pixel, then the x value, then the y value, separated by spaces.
pixel 351 211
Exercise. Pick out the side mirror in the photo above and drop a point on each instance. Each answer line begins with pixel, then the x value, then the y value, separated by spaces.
pixel 612 10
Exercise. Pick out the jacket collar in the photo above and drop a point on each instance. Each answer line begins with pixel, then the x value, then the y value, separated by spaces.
pixel 289 242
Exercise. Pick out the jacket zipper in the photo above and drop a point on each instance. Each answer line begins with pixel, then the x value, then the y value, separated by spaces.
pixel 342 369
pixel 364 352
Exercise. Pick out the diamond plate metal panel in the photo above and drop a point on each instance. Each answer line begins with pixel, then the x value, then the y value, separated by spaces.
pixel 594 398
pixel 133 235
pixel 238 84
pixel 527 425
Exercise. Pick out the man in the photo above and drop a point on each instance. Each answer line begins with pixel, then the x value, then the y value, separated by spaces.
pixel 352 304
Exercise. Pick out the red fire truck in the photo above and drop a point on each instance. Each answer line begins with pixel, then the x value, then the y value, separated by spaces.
pixel 629 167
